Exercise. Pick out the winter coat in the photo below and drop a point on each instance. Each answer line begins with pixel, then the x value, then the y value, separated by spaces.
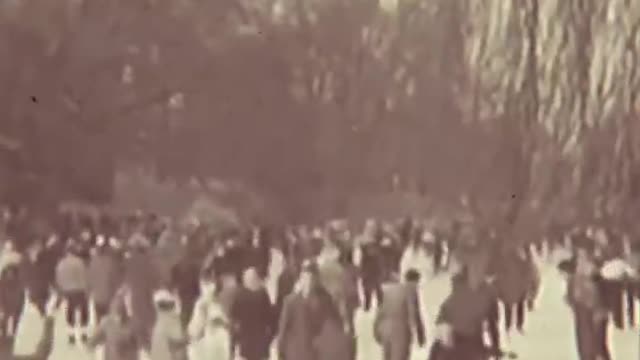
pixel 11 290
pixel 333 341
pixel 142 279
pixel 168 338
pixel 104 278
pixel 210 325
pixel 168 255
pixel 286 282
pixel 118 338
pixel 584 291
pixel 397 319
pixel 340 282
pixel 253 317
pixel 371 263
pixel 513 279
pixel 34 279
pixel 466 308
pixel 297 329
pixel 72 274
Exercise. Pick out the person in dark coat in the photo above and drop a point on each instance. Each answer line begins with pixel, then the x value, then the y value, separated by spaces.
pixel 438 253
pixel 253 317
pixel 234 257
pixel 299 324
pixel 142 280
pixel 609 248
pixel 186 279
pixel 38 272
pixel 584 295
pixel 104 278
pixel 371 273
pixel 334 340
pixel 462 315
pixel 390 255
pixel 399 317
pixel 257 252
pixel 512 285
pixel 285 286
pixel 11 299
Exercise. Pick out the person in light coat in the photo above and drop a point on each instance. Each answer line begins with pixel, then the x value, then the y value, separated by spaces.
pixel 72 281
pixel 169 340
pixel 210 325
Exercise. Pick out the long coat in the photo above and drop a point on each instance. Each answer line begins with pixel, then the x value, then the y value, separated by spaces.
pixel 11 291
pixel 210 325
pixel 341 284
pixel 584 296
pixel 333 341
pixel 286 282
pixel 104 278
pixel 513 279
pixel 298 328
pixel 142 280
pixel 118 339
pixel 396 320
pixel 169 339
pixel 253 316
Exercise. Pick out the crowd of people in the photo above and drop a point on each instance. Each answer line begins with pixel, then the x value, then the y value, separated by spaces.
pixel 187 292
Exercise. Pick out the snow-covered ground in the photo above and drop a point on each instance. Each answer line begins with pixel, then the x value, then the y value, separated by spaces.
pixel 548 335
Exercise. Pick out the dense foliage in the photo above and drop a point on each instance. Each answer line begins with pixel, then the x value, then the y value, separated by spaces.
pixel 308 101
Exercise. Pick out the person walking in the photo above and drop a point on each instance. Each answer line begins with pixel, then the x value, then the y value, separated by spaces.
pixel 11 300
pixel 399 318
pixel 168 337
pixel 589 310
pixel 253 317
pixel 72 281
pixel 115 331
pixel 105 278
pixel 210 325
pixel 299 321
pixel 142 280
pixel 460 322
pixel 371 269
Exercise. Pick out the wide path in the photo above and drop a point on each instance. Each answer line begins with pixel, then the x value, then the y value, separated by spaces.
pixel 548 335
